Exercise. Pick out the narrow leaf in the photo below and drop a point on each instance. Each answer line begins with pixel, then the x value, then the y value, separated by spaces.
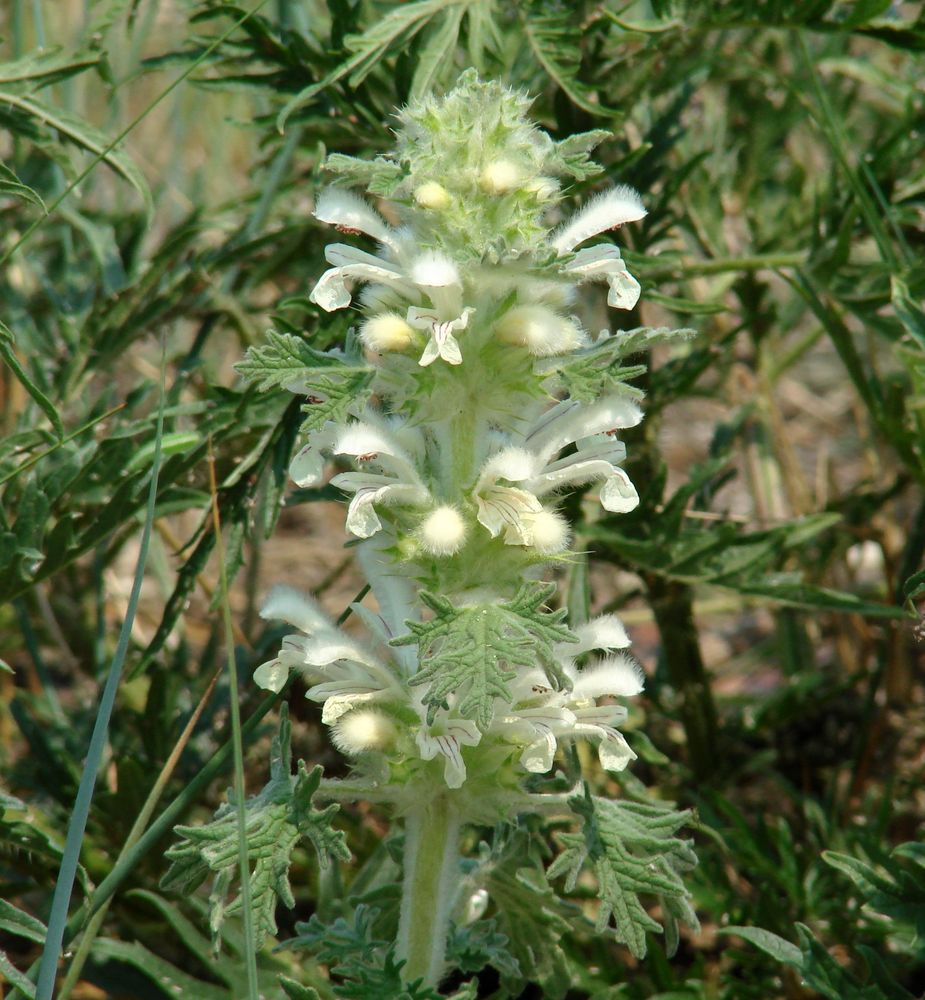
pixel 85 135
pixel 9 356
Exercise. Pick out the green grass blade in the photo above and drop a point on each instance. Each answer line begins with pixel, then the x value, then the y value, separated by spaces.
pixel 250 955
pixel 78 822
pixel 871 201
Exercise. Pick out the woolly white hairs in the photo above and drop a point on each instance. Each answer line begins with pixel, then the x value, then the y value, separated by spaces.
pixel 606 211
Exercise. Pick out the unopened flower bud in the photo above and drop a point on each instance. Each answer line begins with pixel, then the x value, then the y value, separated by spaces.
pixel 432 195
pixel 443 532
pixel 550 532
pixel 543 187
pixel 499 177
pixel 386 332
pixel 361 730
pixel 542 331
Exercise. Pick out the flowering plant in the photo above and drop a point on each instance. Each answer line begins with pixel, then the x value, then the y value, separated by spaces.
pixel 465 404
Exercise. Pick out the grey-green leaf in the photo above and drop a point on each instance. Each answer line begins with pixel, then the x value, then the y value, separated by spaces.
pixel 771 944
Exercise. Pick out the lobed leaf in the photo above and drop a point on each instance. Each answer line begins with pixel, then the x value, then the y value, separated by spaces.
pixel 277 819
pixel 632 850
pixel 474 650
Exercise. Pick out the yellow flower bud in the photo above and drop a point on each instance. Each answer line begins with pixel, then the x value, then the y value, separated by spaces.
pixel 500 177
pixel 542 331
pixel 432 195
pixel 362 730
pixel 386 332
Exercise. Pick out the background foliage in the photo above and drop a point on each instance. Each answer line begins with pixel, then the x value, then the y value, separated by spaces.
pixel 772 575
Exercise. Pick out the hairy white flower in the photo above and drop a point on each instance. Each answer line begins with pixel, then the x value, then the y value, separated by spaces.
pixel 605 632
pixel 387 476
pixel 437 275
pixel 350 263
pixel 341 673
pixel 295 608
pixel 349 212
pixel 307 465
pixel 442 532
pixel 608 210
pixel 505 508
pixel 616 675
pixel 533 467
pixel 401 276
pixel 591 428
pixel 539 718
pixel 387 473
pixel 549 532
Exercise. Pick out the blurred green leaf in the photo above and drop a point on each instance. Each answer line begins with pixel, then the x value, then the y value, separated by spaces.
pixel 82 134
pixel 771 944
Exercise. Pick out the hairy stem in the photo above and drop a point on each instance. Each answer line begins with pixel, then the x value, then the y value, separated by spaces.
pixel 430 881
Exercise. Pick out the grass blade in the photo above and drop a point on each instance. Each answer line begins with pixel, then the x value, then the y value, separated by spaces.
pixel 250 955
pixel 9 356
pixel 78 822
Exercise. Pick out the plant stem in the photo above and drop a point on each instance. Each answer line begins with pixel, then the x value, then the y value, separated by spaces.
pixel 673 607
pixel 687 267
pixel 430 881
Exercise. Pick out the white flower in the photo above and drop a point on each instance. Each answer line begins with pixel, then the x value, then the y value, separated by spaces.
pixel 360 730
pixel 550 531
pixel 401 274
pixel 439 278
pixel 605 632
pixel 396 483
pixel 499 177
pixel 387 475
pixel 331 290
pixel 386 332
pixel 608 210
pixel 341 673
pixel 504 508
pixel 446 737
pixel 591 428
pixel 349 212
pixel 604 263
pixel 307 465
pixel 442 343
pixel 539 717
pixel 514 510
